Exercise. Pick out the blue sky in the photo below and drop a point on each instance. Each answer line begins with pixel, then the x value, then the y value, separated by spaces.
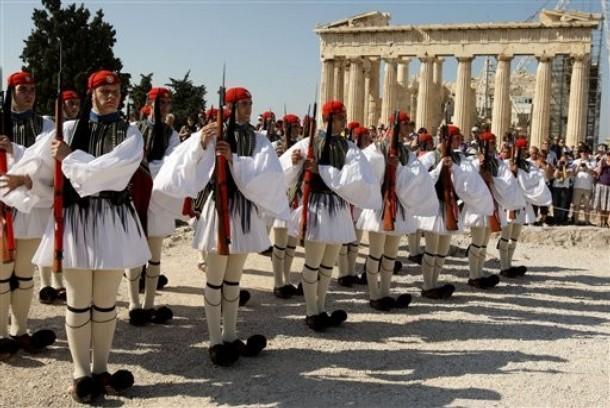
pixel 268 46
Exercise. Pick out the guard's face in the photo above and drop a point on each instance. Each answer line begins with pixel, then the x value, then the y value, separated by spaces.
pixel 165 106
pixel 244 110
pixel 24 97
pixel 106 98
pixel 339 122
pixel 71 108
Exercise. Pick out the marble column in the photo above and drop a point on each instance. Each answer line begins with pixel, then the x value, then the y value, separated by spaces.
pixel 436 108
pixel 577 116
pixel 338 79
pixel 356 92
pixel 326 81
pixel 371 92
pixel 462 116
pixel 542 102
pixel 388 104
pixel 501 111
pixel 402 79
pixel 346 74
pixel 424 93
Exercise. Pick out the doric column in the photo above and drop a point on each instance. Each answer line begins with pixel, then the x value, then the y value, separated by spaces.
pixel 338 79
pixel 462 113
pixel 436 109
pixel 542 102
pixel 346 74
pixel 326 80
pixel 500 116
pixel 388 104
pixel 356 92
pixel 576 111
pixel 371 91
pixel 425 92
pixel 402 79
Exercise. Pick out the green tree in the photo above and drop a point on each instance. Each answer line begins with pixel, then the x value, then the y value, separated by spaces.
pixel 188 99
pixel 138 92
pixel 87 46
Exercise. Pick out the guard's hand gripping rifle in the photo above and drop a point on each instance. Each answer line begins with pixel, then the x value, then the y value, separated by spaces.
pixel 221 172
pixel 448 196
pixel 390 201
pixel 7 236
pixel 307 174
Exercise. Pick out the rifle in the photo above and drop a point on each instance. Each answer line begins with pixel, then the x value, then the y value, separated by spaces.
pixel 58 179
pixel 307 174
pixel 7 236
pixel 448 196
pixel 486 174
pixel 390 202
pixel 221 182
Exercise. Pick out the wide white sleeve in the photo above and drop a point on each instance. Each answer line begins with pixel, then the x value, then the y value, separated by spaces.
pixel 291 172
pixel 377 161
pixel 471 188
pixel 155 165
pixel 506 188
pixel 415 189
pixel 187 170
pixel 109 172
pixel 38 164
pixel 259 178
pixel 355 182
pixel 534 186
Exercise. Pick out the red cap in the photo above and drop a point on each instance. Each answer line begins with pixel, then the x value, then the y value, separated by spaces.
pixel 268 115
pixel 234 95
pixel 159 91
pixel 402 117
pixel 454 130
pixel 521 143
pixel 353 125
pixel 102 77
pixel 21 78
pixel 69 94
pixel 212 112
pixel 360 131
pixel 291 119
pixel 487 136
pixel 424 137
pixel 145 110
pixel 332 107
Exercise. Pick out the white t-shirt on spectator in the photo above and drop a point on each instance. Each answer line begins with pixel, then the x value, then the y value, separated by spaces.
pixel 582 178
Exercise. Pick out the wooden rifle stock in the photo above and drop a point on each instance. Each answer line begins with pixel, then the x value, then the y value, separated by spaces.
pixel 58 191
pixel 485 171
pixel 7 240
pixel 308 175
pixel 221 186
pixel 390 201
pixel 450 209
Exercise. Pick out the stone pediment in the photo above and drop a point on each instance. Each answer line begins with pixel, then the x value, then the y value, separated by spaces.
pixel 370 19
pixel 549 17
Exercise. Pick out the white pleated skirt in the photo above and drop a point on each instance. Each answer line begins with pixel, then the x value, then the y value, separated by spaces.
pixel 206 231
pixel 31 225
pixel 324 225
pixel 371 220
pixel 100 236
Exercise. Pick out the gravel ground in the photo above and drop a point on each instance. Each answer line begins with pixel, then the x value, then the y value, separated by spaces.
pixel 538 341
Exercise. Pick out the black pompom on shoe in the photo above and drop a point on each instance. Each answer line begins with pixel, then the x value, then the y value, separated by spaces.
pixel 140 317
pixel 336 318
pixel 61 295
pixel 284 292
pixel 520 270
pixel 382 304
pixel 403 301
pixel 113 384
pixel 510 273
pixel 361 279
pixel 299 289
pixel 346 281
pixel 448 290
pixel 162 282
pixel 47 295
pixel 434 293
pixel 8 347
pixel 486 282
pixel 223 355
pixel 253 347
pixel 37 342
pixel 162 315
pixel 84 390
pixel 244 297
pixel 316 323
pixel 397 267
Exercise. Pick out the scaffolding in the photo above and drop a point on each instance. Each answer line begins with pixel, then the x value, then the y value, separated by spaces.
pixel 560 95
pixel 594 97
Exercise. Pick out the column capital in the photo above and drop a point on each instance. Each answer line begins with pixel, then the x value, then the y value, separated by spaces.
pixel 439 59
pixel 544 57
pixel 464 58
pixel 389 60
pixel 426 58
pixel 578 57
pixel 504 57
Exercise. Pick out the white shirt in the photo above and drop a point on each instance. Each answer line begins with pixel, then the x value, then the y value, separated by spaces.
pixel 582 176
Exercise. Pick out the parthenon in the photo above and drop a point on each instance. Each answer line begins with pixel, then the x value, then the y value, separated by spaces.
pixel 353 49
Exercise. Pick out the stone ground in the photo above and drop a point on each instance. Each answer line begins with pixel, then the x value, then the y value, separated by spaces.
pixel 538 341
